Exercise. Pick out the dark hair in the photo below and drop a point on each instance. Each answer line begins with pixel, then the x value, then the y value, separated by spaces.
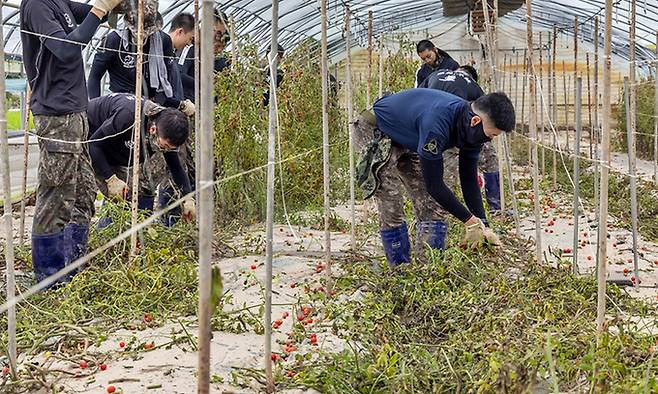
pixel 471 70
pixel 173 126
pixel 183 20
pixel 220 16
pixel 499 108
pixel 424 45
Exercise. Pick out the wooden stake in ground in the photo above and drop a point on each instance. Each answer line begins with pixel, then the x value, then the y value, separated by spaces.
pixel 137 128
pixel 9 230
pixel 551 108
pixel 597 129
pixel 197 99
pixel 369 81
pixel 576 173
pixel 206 192
pixel 516 86
pixel 525 85
pixel 589 108
pixel 575 58
pixel 542 104
pixel 380 89
pixel 655 122
pixel 350 125
pixel 632 170
pixel 631 116
pixel 533 134
pixel 325 142
pixel 605 156
pixel 26 155
pixel 566 104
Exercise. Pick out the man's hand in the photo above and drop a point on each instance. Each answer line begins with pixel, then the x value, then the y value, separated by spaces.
pixel 187 107
pixel 105 6
pixel 188 209
pixel 477 233
pixel 116 188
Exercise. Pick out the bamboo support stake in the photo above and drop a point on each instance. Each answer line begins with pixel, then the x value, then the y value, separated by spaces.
pixel 234 43
pixel 350 125
pixel 7 213
pixel 576 173
pixel 380 89
pixel 631 114
pixel 575 58
pixel 632 170
pixel 325 143
pixel 589 107
pixel 553 83
pixel 206 194
pixel 197 99
pixel 525 85
pixel 605 156
pixel 516 84
pixel 369 81
pixel 26 156
pixel 139 62
pixel 533 135
pixel 655 123
pixel 503 78
pixel 566 104
pixel 542 104
pixel 597 128
pixel 271 174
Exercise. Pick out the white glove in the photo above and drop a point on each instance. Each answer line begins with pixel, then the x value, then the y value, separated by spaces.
pixel 187 107
pixel 477 233
pixel 188 209
pixel 106 5
pixel 116 188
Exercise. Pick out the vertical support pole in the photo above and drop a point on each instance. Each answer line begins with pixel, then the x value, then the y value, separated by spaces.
pixel 566 104
pixel 597 129
pixel 632 170
pixel 575 56
pixel 325 142
pixel 655 122
pixel 271 157
pixel 137 143
pixel 589 107
pixel 369 84
pixel 550 113
pixel 380 89
pixel 7 213
pixel 631 114
pixel 206 190
pixel 576 173
pixel 516 85
pixel 503 74
pixel 197 99
pixel 542 104
pixel 350 125
pixel 525 85
pixel 26 156
pixel 556 122
pixel 234 43
pixel 605 156
pixel 533 135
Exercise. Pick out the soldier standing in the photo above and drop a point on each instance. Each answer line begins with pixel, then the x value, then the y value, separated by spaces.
pixel 53 34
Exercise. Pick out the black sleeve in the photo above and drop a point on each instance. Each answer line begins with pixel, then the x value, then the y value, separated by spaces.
pixel 177 172
pixel 120 121
pixel 102 61
pixel 436 187
pixel 69 51
pixel 80 10
pixel 468 176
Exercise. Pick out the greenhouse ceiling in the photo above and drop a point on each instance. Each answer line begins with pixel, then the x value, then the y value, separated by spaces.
pixel 299 20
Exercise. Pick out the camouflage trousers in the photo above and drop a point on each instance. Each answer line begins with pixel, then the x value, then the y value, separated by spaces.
pixel 488 162
pixel 402 173
pixel 66 189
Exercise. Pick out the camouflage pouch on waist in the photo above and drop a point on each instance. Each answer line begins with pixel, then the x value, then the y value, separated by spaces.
pixel 372 158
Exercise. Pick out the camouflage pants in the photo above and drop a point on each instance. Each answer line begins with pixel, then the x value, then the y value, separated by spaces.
pixel 488 158
pixel 66 190
pixel 403 169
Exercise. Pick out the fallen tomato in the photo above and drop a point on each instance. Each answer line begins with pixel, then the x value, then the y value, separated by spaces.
pixel 111 389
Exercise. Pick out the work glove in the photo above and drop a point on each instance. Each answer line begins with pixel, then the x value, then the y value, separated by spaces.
pixel 106 5
pixel 187 107
pixel 188 209
pixel 116 188
pixel 477 233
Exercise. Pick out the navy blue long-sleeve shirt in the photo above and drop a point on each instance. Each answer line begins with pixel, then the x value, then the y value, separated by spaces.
pixel 445 63
pixel 119 63
pixel 428 122
pixel 54 68
pixel 114 115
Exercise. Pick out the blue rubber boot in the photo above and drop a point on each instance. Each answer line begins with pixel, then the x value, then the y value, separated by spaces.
pixel 492 190
pixel 166 196
pixel 396 245
pixel 145 203
pixel 433 233
pixel 48 255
